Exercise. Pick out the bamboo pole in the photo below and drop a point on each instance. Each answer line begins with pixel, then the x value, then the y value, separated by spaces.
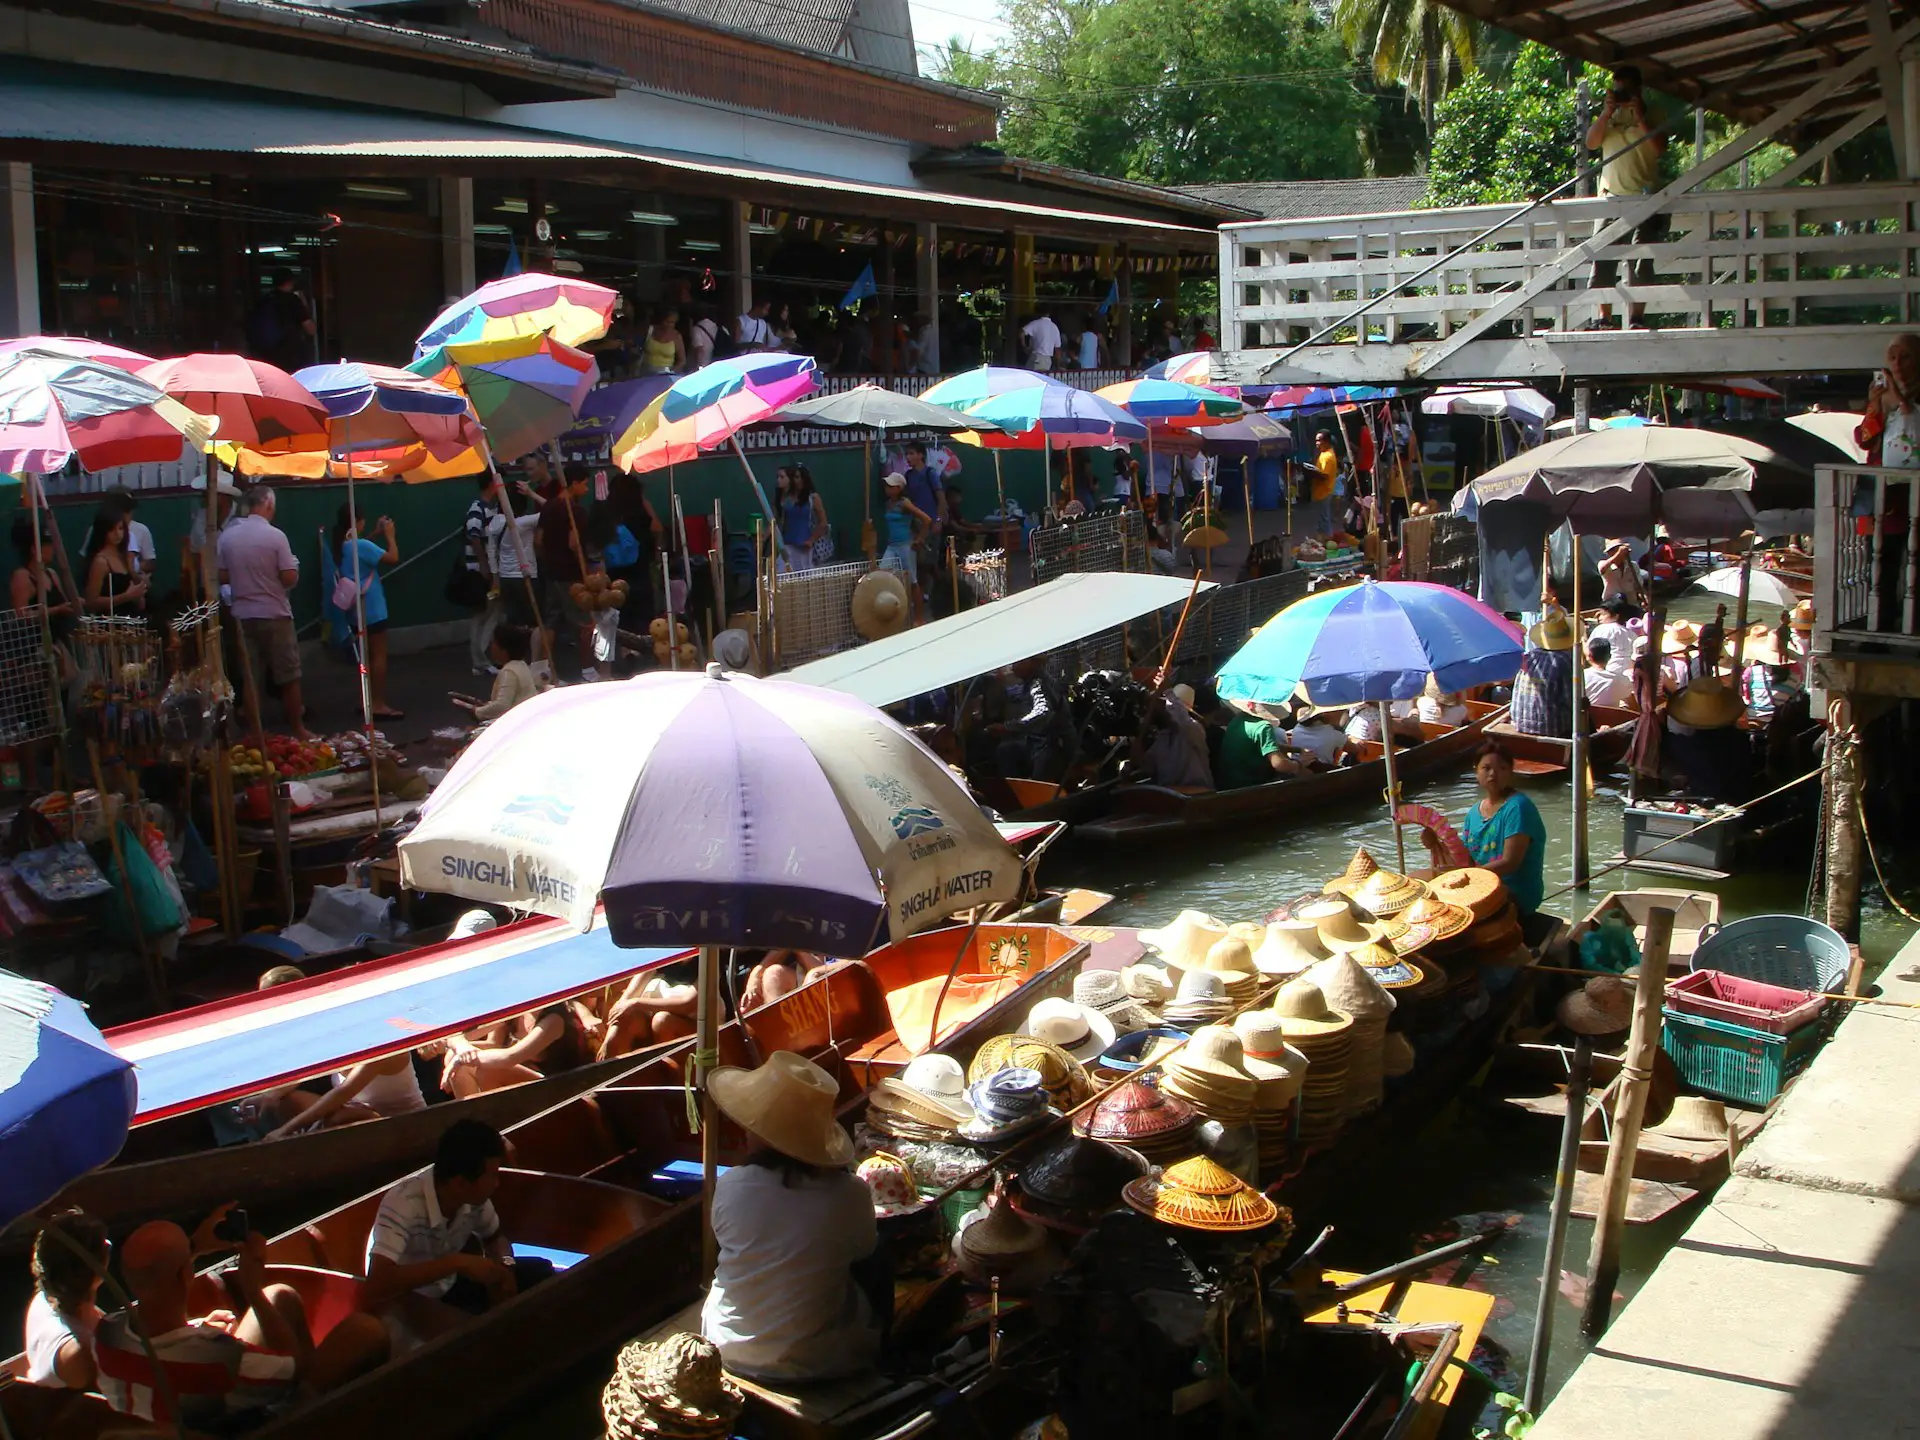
pixel 1603 1264
pixel 1393 786
pixel 706 1057
pixel 1173 649
pixel 1577 751
pixel 1564 1176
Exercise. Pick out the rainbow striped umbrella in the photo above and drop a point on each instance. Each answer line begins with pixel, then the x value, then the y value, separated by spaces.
pixel 525 389
pixel 1171 404
pixel 776 376
pixel 1193 368
pixel 707 409
pixel 1058 417
pixel 970 387
pixel 571 310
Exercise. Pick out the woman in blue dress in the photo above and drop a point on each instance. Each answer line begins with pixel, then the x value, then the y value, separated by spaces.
pixel 1504 832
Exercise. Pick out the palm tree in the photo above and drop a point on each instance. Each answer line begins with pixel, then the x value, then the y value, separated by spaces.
pixel 1422 45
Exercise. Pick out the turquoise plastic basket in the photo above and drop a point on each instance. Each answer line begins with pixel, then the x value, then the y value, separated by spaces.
pixel 1733 1062
pixel 1786 950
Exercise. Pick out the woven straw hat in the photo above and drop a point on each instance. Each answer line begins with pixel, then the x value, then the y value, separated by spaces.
pixel 1403 937
pixel 1104 991
pixel 1150 984
pixel 1264 1049
pixel 1762 648
pixel 1445 919
pixel 1386 892
pixel 1304 1012
pixel 880 605
pixel 1000 1235
pixel 1396 1055
pixel 1135 1112
pixel 1387 969
pixel 1214 1051
pixel 1695 1117
pixel 1554 632
pixel 1290 946
pixel 1076 1173
pixel 1340 929
pixel 891 1101
pixel 1478 891
pixel 1202 996
pixel 1358 869
pixel 1251 931
pixel 1201 1194
pixel 788 1102
pixel 1064 1077
pixel 1603 1006
pixel 1184 941
pixel 1231 957
pixel 1681 635
pixel 673 1387
pixel 939 1080
pixel 1706 704
pixel 891 1181
pixel 1350 989
pixel 1080 1030
pixel 1802 617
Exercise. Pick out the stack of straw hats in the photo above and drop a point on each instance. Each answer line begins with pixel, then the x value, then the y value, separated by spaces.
pixel 1232 960
pixel 1386 892
pixel 1404 977
pixel 1143 1118
pixel 1065 1078
pixel 1290 947
pixel 1358 869
pixel 1352 991
pixel 1339 929
pixel 1183 943
pixel 1200 1000
pixel 1210 1073
pixel 1200 1194
pixel 670 1389
pixel 1325 1036
pixel 1008 1104
pixel 1447 922
pixel 927 1102
pixel 1480 892
pixel 1104 991
pixel 1080 1030
pixel 1279 1072
pixel 1000 1244
pixel 1404 937
pixel 1149 986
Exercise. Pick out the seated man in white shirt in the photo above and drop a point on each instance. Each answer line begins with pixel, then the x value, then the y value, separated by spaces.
pixel 1321 743
pixel 1618 635
pixel 436 1252
pixel 1605 685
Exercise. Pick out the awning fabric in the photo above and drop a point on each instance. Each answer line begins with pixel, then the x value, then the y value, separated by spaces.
pixel 1031 622
pixel 233 1048
pixel 52 103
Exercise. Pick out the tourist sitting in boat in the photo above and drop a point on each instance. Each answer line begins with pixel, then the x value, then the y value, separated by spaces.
pixel 1436 707
pixel 1171 747
pixel 1543 690
pixel 69 1257
pixel 1604 684
pixel 1254 750
pixel 1032 744
pixel 371 1090
pixel 1318 740
pixel 657 1006
pixel 794 1296
pixel 542 1042
pixel 1504 832
pixel 1619 635
pixel 779 973
pixel 216 1371
pixel 436 1252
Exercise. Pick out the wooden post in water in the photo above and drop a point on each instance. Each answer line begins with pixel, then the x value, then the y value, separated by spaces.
pixel 1563 1182
pixel 1841 802
pixel 1643 1045
pixel 1577 747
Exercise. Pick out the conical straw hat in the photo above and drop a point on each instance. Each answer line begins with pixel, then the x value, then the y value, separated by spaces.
pixel 1349 988
pixel 1201 1194
pixel 1358 869
pixel 1290 946
pixel 1184 941
pixel 1386 892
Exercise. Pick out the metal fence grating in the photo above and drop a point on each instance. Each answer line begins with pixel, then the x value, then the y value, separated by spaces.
pixel 1090 544
pixel 29 709
pixel 813 612
pixel 1222 619
pixel 1443 549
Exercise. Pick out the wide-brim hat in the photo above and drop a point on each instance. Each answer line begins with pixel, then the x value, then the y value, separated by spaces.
pixel 1681 635
pixel 1201 1194
pixel 1213 1050
pixel 1387 969
pixel 1358 869
pixel 1442 917
pixel 1554 631
pixel 1339 928
pixel 1151 985
pixel 1603 1006
pixel 1199 987
pixel 1080 1173
pixel 1183 942
pixel 1706 704
pixel 1802 617
pixel 1135 1112
pixel 1080 1030
pixel 788 1102
pixel 1290 947
pixel 1695 1117
pixel 1403 937
pixel 892 1099
pixel 1478 891
pixel 880 605
pixel 1387 892
pixel 999 1234
pixel 1304 1012
pixel 1231 957
pixel 1064 1077
pixel 938 1080
pixel 1103 990
pixel 675 1386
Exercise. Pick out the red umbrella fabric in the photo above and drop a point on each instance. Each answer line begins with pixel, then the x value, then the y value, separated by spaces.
pixel 257 403
pixel 79 348
pixel 55 408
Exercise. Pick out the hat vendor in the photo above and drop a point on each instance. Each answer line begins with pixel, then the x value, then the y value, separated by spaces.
pixel 1504 832
pixel 793 1297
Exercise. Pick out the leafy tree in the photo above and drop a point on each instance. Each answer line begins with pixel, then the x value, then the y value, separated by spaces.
pixel 1422 45
pixel 1505 138
pixel 1175 91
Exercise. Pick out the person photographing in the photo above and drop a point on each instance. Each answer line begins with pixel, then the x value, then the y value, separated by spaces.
pixel 1626 133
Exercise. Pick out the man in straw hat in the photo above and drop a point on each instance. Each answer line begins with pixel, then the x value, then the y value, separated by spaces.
pixel 794 1296
pixel 1543 689
pixel 1171 748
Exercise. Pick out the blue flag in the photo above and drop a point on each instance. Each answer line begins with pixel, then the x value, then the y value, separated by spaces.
pixel 513 265
pixel 1113 299
pixel 862 288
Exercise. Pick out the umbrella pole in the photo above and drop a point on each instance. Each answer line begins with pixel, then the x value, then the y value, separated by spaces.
pixel 36 507
pixel 1413 444
pixel 773 520
pixel 1393 787
pixel 706 1056
pixel 221 795
pixel 518 541
pixel 1740 612
pixel 999 486
pixel 867 538
pixel 360 626
pixel 1577 745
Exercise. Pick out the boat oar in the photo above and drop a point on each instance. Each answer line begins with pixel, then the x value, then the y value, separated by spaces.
pixel 1166 665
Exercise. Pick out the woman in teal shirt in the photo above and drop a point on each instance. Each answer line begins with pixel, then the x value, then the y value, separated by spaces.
pixel 1504 832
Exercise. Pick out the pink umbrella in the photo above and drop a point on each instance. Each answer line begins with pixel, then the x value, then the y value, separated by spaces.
pixel 80 348
pixel 56 407
pixel 256 403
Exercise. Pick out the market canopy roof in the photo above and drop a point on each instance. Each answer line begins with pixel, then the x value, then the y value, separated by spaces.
pixel 233 1048
pixel 75 112
pixel 1030 622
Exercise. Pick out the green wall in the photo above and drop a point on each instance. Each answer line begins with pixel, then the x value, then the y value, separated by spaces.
pixel 425 513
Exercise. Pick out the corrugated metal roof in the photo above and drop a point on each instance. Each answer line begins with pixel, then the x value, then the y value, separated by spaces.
pixel 811 24
pixel 1311 199
pixel 1740 57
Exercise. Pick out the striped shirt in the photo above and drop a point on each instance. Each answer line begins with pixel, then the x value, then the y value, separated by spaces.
pixel 211 1374
pixel 480 515
pixel 410 1229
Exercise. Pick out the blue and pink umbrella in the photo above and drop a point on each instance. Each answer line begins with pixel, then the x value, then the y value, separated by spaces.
pixel 570 309
pixel 984 382
pixel 1051 417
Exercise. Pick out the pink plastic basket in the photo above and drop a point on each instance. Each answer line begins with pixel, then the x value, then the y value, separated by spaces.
pixel 1773 1009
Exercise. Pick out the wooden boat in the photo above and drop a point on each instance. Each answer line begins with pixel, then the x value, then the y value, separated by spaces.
pixel 1695 912
pixel 1548 756
pixel 1141 811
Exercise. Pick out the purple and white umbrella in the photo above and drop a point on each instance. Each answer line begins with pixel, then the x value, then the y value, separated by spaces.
pixel 710 809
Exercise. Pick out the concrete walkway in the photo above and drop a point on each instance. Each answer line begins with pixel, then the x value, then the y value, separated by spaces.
pixel 1791 1308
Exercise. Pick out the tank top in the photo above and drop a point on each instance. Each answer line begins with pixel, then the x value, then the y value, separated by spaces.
pixel 1900 446
pixel 899 526
pixel 396 1094
pixel 659 353
pixel 796 521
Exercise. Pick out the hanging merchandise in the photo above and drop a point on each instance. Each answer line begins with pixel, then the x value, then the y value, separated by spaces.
pixel 118 659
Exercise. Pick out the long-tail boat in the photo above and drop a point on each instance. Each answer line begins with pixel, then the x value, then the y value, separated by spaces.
pixel 1549 756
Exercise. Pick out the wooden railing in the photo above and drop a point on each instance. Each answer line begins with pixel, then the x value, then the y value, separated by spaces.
pixel 1796 255
pixel 1866 557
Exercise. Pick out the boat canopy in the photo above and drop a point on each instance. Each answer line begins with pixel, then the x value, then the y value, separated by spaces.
pixel 233 1048
pixel 1032 622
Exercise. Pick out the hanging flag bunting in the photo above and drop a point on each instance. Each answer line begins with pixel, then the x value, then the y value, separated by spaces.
pixel 1113 298
pixel 512 267
pixel 863 288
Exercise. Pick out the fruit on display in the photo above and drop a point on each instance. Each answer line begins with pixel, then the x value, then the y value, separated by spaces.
pixel 284 758
pixel 597 592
